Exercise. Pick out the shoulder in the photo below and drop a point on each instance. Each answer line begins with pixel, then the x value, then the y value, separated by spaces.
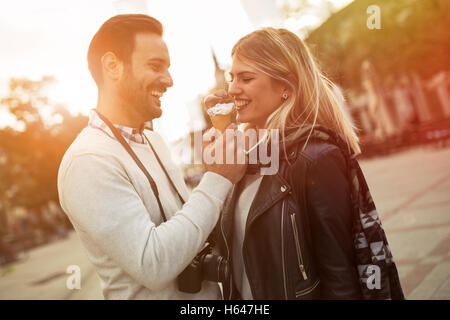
pixel 317 151
pixel 326 168
pixel 320 143
pixel 91 140
pixel 318 161
pixel 91 147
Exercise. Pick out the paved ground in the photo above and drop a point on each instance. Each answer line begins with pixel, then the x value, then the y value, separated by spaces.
pixel 412 193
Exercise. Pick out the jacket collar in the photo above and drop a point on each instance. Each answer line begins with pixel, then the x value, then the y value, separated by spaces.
pixel 271 190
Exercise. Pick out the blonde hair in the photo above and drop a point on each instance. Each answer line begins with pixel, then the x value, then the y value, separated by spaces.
pixel 284 57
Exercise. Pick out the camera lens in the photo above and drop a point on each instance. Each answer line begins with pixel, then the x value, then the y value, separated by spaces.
pixel 215 268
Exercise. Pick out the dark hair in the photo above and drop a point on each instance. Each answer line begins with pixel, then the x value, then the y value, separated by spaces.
pixel 117 35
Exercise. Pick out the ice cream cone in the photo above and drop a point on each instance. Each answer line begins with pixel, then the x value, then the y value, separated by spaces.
pixel 221 121
pixel 220 116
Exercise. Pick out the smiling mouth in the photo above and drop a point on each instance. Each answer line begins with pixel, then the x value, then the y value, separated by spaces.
pixel 241 104
pixel 157 94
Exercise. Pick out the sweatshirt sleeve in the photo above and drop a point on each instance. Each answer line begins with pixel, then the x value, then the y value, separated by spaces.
pixel 104 207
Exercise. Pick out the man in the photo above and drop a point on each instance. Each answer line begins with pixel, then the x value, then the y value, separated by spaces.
pixel 108 198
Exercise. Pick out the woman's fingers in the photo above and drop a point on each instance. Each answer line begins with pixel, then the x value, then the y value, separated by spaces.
pixel 221 93
pixel 219 96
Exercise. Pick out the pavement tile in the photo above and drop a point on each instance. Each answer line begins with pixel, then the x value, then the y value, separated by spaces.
pixel 419 218
pixel 443 292
pixel 414 245
pixel 435 285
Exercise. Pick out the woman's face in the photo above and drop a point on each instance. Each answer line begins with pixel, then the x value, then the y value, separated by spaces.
pixel 256 94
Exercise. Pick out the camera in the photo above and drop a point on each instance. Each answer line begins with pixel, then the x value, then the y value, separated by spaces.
pixel 205 266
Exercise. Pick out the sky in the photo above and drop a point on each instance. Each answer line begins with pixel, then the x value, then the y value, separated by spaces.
pixel 51 37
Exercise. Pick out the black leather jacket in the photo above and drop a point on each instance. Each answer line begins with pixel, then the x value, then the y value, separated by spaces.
pixel 298 241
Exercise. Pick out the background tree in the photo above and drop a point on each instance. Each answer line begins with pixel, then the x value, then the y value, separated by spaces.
pixel 414 38
pixel 30 155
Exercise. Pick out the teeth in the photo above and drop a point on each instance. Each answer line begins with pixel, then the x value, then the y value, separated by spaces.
pixel 241 103
pixel 157 94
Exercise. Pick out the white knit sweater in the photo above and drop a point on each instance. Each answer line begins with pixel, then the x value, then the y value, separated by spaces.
pixel 112 207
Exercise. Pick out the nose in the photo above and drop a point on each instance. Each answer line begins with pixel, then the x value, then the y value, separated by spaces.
pixel 233 89
pixel 167 80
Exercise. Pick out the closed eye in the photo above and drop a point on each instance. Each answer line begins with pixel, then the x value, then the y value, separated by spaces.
pixel 245 80
pixel 155 67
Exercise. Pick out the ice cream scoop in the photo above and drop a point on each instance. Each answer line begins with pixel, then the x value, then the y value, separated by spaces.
pixel 220 115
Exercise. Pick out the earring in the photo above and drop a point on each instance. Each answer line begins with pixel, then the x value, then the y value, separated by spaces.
pixel 285 96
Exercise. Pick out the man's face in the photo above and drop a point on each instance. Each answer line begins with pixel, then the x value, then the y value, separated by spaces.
pixel 146 77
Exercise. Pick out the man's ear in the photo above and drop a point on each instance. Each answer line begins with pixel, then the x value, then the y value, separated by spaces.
pixel 112 66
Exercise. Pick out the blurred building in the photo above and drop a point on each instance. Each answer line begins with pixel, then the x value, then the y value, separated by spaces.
pixel 395 78
pixel 440 84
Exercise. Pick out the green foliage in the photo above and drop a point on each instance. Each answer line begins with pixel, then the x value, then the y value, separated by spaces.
pixel 414 38
pixel 29 158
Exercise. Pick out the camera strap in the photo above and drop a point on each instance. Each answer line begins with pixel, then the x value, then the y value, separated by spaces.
pixel 164 169
pixel 141 166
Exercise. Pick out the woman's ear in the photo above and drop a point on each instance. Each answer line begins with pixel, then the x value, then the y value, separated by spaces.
pixel 287 92
pixel 112 66
pixel 287 87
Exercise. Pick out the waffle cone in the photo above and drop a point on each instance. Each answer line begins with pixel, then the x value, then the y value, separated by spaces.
pixel 221 121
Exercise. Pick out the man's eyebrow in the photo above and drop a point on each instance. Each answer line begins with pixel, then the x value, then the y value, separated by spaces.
pixel 160 60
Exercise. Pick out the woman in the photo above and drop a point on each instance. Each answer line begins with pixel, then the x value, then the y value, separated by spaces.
pixel 290 235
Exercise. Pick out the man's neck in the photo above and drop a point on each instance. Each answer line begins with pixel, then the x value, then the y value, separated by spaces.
pixel 117 112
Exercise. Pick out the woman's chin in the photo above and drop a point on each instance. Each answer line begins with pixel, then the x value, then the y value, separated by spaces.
pixel 248 122
pixel 241 118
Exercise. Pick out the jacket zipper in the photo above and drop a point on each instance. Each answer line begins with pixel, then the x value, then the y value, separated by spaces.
pixel 307 290
pixel 282 251
pixel 299 250
pixel 228 258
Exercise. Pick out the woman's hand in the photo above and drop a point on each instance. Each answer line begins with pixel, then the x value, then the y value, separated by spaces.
pixel 220 96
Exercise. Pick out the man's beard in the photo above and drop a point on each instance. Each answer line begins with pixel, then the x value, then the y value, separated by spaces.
pixel 135 99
